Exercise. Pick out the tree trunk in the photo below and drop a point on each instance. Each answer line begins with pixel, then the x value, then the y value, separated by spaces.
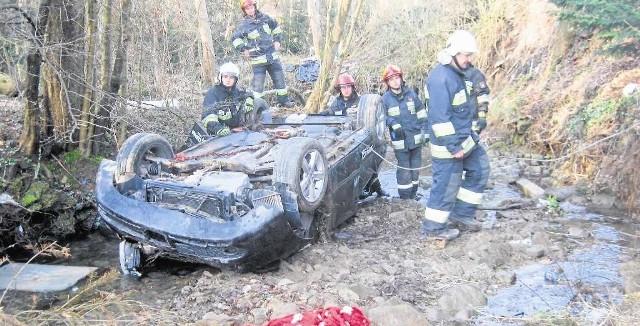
pixel 118 81
pixel 31 133
pixel 90 76
pixel 208 61
pixel 102 112
pixel 319 95
pixel 315 24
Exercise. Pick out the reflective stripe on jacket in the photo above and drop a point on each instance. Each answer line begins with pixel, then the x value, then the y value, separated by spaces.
pixel 257 35
pixel 340 106
pixel 222 105
pixel 450 112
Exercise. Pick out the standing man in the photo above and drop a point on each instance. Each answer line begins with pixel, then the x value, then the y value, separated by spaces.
pixel 406 119
pixel 479 97
pixel 454 145
pixel 347 98
pixel 225 103
pixel 258 37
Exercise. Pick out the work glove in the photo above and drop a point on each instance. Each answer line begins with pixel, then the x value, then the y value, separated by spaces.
pixel 225 131
pixel 482 121
pixel 396 132
pixel 248 105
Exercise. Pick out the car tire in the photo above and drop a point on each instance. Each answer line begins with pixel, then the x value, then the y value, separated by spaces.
pixel 302 165
pixel 130 160
pixel 371 115
pixel 130 257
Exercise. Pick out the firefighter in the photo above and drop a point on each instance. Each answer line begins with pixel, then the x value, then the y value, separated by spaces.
pixel 477 82
pixel 225 103
pixel 258 37
pixel 453 144
pixel 348 97
pixel 406 120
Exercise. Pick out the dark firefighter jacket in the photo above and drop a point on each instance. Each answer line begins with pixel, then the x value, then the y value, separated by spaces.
pixel 339 106
pixel 222 106
pixel 479 92
pixel 450 112
pixel 405 109
pixel 257 35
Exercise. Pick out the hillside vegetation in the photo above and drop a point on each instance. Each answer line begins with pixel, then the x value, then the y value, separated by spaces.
pixel 557 90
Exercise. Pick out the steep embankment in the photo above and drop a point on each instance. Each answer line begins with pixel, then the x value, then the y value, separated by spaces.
pixel 556 92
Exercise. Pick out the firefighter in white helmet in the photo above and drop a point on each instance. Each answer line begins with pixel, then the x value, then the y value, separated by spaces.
pixel 453 144
pixel 225 102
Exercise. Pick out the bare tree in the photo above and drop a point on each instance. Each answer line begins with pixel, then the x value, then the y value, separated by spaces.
pixel 208 61
pixel 32 132
pixel 89 73
pixel 319 95
pixel 315 24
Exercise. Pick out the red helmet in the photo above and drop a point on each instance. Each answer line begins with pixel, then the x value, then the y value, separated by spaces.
pixel 344 80
pixel 246 3
pixel 390 71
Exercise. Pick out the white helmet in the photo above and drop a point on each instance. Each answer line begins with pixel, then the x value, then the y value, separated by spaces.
pixel 228 69
pixel 461 41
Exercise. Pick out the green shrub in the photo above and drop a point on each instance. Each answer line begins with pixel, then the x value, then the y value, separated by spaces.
pixel 616 21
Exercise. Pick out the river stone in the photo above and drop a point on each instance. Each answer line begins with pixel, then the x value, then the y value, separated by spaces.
pixel 630 272
pixel 529 188
pixel 41 278
pixel 213 319
pixel 603 201
pixel 397 315
pixel 284 310
pixel 460 297
pixel 364 291
pixel 561 194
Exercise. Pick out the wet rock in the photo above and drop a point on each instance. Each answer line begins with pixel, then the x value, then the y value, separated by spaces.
pixel 529 188
pixel 347 295
pixel 364 291
pixel 577 233
pixel 578 200
pixel 213 319
pixel 630 272
pixel 561 194
pixel 284 310
pixel 508 214
pixel 535 252
pixel 461 297
pixel 396 315
pixel 506 277
pixel 260 315
pixel 603 201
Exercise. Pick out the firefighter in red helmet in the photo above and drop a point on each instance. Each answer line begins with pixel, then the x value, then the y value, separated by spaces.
pixel 347 99
pixel 406 119
pixel 258 37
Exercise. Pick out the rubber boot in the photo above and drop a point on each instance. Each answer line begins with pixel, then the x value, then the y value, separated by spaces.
pixel 414 191
pixel 465 223
pixel 438 230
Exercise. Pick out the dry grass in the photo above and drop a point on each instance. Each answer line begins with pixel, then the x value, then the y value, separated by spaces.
pixel 93 306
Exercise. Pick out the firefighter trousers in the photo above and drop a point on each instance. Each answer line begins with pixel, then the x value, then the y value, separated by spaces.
pixel 453 194
pixel 408 179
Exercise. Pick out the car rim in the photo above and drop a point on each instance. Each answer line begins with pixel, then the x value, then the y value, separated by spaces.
pixel 312 176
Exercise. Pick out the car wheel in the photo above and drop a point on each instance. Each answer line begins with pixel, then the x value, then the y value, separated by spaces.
pixel 371 115
pixel 130 259
pixel 302 165
pixel 136 156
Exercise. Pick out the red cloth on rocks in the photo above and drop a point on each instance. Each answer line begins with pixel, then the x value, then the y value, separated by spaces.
pixel 331 316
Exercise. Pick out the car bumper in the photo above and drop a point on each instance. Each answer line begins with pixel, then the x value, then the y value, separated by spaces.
pixel 261 236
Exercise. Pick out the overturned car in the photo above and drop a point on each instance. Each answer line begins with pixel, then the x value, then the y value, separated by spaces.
pixel 245 200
